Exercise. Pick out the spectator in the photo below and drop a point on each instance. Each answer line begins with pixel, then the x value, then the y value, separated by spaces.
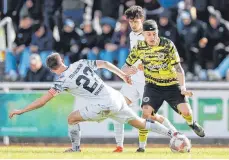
pixel 13 9
pixel 193 38
pixel 108 8
pixel 222 6
pixel 53 14
pixel 32 8
pixel 201 7
pixel 218 38
pixel 128 3
pixel 20 51
pixel 119 46
pixel 88 41
pixel 75 10
pixel 69 42
pixel 185 7
pixel 37 72
pixel 221 71
pixel 166 27
pixel 108 25
pixel 152 9
pixel 42 41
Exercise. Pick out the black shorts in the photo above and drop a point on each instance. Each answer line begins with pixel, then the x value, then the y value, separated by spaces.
pixel 155 95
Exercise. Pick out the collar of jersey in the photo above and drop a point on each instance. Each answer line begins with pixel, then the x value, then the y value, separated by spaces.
pixel 138 33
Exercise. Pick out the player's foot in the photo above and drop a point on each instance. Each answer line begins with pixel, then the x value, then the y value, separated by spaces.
pixel 197 129
pixel 118 149
pixel 71 150
pixel 140 150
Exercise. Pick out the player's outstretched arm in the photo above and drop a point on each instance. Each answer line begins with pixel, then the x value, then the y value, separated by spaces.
pixel 34 105
pixel 181 79
pixel 114 69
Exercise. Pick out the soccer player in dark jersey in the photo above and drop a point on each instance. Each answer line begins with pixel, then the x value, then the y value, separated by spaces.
pixel 164 76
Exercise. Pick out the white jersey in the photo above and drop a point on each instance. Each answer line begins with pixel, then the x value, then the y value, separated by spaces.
pixel 97 101
pixel 134 38
pixel 81 80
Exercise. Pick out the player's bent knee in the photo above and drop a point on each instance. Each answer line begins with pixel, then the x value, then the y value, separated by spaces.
pixel 146 111
pixel 74 118
pixel 145 115
pixel 71 120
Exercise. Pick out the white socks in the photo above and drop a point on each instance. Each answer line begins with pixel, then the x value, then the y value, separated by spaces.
pixel 158 128
pixel 167 124
pixel 119 133
pixel 75 135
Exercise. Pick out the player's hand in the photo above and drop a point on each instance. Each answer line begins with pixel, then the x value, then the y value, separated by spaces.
pixel 127 79
pixel 186 93
pixel 130 70
pixel 141 67
pixel 15 112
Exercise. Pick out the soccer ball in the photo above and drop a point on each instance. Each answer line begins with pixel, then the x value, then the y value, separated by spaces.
pixel 180 143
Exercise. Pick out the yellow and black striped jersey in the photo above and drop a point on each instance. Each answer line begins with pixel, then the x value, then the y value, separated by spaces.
pixel 158 61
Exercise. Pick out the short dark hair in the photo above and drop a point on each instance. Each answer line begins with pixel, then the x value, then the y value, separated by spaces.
pixel 134 12
pixel 53 61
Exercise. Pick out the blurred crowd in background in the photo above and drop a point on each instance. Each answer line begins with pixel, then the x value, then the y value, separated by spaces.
pixel 30 30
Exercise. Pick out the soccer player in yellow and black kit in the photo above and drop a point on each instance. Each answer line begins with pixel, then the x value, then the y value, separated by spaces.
pixel 164 76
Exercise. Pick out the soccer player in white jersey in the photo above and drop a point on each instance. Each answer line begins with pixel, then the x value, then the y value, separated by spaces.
pixel 134 92
pixel 97 101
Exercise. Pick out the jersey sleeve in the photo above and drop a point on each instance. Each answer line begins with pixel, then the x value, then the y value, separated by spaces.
pixel 133 56
pixel 57 87
pixel 90 63
pixel 175 58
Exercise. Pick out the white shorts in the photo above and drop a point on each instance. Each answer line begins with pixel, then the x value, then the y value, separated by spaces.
pixel 114 107
pixel 133 92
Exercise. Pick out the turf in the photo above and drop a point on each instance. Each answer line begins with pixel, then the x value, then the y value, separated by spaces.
pixel 106 153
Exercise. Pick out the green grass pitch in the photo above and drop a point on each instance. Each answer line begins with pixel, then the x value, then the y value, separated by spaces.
pixel 106 153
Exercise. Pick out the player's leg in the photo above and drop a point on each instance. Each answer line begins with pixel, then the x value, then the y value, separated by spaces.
pixel 180 104
pixel 74 131
pixel 159 118
pixel 164 121
pixel 151 125
pixel 93 111
pixel 186 112
pixel 143 133
pixel 126 114
pixel 151 102
pixel 130 94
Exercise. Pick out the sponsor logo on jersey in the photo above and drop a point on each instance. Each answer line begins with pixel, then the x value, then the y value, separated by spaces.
pixel 161 56
pixel 160 66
